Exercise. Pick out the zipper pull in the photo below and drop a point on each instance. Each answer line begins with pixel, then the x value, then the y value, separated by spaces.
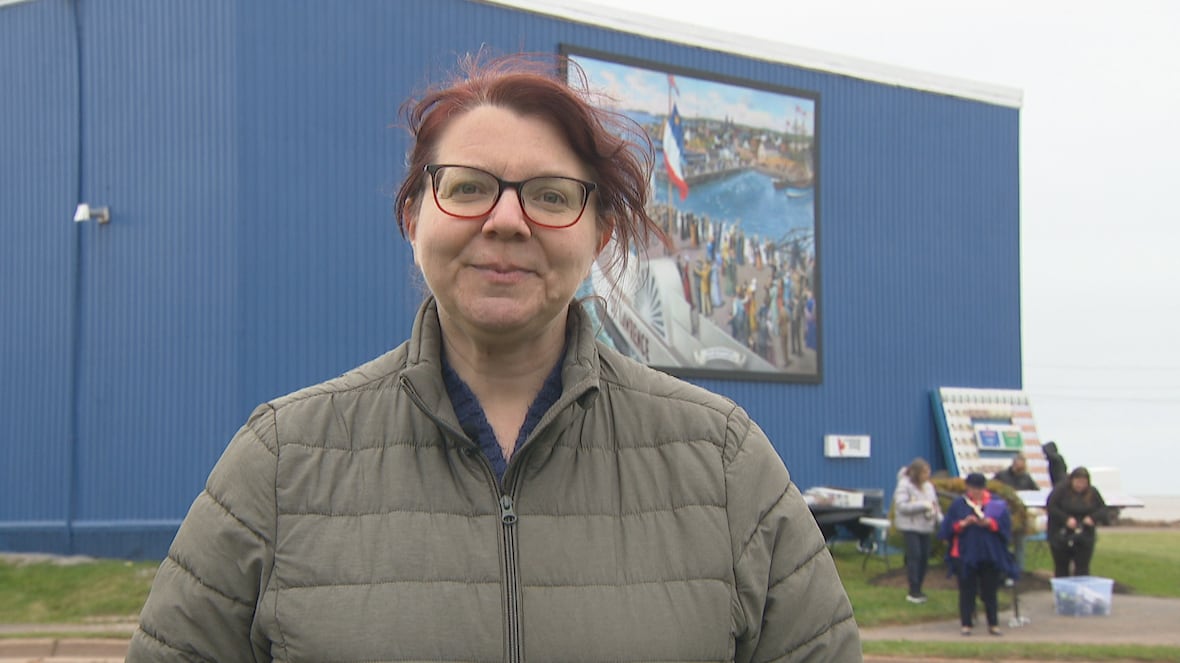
pixel 507 512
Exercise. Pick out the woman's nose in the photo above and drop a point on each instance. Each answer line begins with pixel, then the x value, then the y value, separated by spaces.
pixel 507 216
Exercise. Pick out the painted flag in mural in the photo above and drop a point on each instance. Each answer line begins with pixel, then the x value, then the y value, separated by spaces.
pixel 674 152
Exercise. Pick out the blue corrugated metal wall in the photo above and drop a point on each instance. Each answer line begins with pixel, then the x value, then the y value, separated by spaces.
pixel 247 154
pixel 160 283
pixel 38 181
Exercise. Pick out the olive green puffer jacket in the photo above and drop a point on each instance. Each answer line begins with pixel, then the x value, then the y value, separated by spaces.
pixel 644 519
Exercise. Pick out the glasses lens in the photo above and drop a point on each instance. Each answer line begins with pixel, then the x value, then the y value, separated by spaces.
pixel 553 201
pixel 464 191
pixel 469 193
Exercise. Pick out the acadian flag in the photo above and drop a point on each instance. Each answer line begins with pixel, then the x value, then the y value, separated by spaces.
pixel 674 152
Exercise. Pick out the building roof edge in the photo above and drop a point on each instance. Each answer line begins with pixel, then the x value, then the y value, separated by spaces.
pixel 767 50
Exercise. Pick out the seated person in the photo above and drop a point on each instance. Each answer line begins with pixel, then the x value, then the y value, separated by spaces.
pixel 1017 476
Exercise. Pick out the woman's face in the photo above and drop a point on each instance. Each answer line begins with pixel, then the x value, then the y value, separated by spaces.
pixel 1079 484
pixel 500 278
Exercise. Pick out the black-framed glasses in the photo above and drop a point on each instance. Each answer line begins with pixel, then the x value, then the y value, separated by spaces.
pixel 470 193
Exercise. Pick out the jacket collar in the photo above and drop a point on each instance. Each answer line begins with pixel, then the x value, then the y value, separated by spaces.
pixel 580 373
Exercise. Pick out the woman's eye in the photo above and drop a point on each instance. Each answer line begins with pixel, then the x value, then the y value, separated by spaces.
pixel 466 189
pixel 552 198
pixel 552 194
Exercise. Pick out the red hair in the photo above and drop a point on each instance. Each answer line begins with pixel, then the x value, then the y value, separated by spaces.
pixel 617 151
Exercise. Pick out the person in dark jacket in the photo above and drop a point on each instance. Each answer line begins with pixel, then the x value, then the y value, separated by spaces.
pixel 1057 466
pixel 1075 508
pixel 1017 477
pixel 503 486
pixel 976 528
pixel 1016 474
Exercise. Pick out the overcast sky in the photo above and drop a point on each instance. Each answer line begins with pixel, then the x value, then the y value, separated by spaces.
pixel 1100 144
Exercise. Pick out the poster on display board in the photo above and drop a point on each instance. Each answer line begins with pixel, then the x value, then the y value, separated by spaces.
pixel 735 189
pixel 981 429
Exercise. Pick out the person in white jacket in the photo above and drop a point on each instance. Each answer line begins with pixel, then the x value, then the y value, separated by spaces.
pixel 916 516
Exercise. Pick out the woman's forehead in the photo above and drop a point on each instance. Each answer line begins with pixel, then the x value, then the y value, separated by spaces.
pixel 508 144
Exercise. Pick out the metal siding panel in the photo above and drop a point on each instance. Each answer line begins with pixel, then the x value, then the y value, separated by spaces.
pixel 37 191
pixel 157 392
pixel 921 269
pixel 327 281
pixel 253 249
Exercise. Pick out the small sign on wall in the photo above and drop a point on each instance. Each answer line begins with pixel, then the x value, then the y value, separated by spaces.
pixel 847 446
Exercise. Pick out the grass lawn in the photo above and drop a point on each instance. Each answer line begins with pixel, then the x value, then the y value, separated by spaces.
pixel 1146 562
pixel 46 593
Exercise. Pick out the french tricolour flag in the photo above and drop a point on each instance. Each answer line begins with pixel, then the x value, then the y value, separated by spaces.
pixel 674 152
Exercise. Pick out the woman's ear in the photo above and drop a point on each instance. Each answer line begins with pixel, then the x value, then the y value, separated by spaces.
pixel 410 219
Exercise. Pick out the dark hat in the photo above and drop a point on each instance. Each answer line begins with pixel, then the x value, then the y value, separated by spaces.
pixel 976 480
pixel 1080 472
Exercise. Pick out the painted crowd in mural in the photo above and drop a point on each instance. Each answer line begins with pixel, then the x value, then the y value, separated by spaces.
pixel 734 189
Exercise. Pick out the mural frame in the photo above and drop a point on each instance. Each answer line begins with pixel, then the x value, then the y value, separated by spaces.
pixel 754 226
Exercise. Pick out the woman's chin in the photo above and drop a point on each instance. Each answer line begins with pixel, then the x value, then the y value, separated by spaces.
pixel 505 317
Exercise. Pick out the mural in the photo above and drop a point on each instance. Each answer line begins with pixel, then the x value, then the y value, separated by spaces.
pixel 735 189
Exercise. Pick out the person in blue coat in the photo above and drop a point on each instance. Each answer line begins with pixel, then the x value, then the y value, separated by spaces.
pixel 977 528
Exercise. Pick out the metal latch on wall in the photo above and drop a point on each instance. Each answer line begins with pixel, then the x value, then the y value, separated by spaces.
pixel 86 213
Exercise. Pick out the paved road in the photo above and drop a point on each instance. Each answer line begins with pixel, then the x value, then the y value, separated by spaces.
pixel 1141 620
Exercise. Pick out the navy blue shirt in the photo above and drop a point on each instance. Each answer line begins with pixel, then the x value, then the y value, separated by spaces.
pixel 474 421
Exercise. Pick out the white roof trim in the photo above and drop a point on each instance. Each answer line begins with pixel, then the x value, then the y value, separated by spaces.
pixel 771 51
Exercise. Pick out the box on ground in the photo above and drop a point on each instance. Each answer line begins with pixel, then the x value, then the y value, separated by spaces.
pixel 1082 596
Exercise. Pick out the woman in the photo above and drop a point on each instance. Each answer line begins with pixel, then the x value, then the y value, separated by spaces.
pixel 501 486
pixel 916 516
pixel 976 528
pixel 1074 508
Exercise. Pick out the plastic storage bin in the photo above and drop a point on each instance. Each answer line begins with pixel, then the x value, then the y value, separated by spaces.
pixel 1082 596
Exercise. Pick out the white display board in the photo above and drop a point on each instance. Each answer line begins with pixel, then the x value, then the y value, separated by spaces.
pixel 981 429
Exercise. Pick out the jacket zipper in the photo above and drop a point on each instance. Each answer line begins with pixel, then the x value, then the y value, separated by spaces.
pixel 513 638
pixel 512 634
